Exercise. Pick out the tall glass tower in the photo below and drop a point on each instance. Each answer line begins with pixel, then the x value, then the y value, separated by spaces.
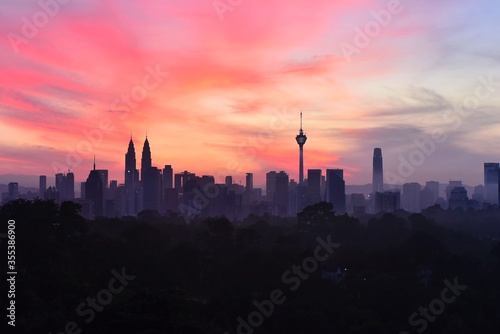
pixel 378 171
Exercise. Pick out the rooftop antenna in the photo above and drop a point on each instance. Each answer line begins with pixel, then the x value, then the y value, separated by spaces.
pixel 94 161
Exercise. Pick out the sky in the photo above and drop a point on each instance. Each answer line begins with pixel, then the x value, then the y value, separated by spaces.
pixel 218 86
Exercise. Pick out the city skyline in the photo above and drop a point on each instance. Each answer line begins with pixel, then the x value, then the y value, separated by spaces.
pixel 146 162
pixel 226 88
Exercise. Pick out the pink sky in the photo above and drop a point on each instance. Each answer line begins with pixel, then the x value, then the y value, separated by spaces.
pixel 236 83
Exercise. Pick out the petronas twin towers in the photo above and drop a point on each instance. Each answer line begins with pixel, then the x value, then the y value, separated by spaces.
pixel 143 193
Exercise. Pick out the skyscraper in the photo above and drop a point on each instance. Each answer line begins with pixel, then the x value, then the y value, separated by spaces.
pixel 131 194
pixel 146 157
pixel 249 182
pixel 150 181
pixel 281 201
pixel 270 186
pixel 152 190
pixel 491 182
pixel 104 177
pixel 313 186
pixel 335 189
pixel 65 185
pixel 42 186
pixel 94 191
pixel 378 171
pixel 130 165
pixel 168 175
pixel 411 197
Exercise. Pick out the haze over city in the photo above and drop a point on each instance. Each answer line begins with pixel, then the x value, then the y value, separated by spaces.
pixel 209 82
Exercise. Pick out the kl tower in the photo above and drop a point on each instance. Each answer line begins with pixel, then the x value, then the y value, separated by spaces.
pixel 301 140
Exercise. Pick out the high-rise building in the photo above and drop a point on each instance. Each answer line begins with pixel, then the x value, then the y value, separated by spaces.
pixel 229 181
pixel 270 186
pixel 182 178
pixel 130 166
pixel 387 201
pixel 378 171
pixel 104 177
pixel 313 186
pixel 450 186
pixel 429 195
pixel 249 182
pixel 491 182
pixel 281 201
pixel 335 189
pixel 152 190
pixel 411 197
pixel 356 204
pixel 458 198
pixel 146 157
pixel 478 194
pixel 82 190
pixel 13 192
pixel 94 191
pixel 65 185
pixel 168 174
pixel 42 186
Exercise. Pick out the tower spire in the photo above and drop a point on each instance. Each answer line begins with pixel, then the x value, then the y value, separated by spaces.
pixel 301 120
pixel 94 161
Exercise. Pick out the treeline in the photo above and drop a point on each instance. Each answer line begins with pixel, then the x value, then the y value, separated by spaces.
pixel 159 274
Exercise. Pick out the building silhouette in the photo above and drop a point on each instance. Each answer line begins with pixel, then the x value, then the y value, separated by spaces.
pixel 94 191
pixel 491 182
pixel 146 158
pixel 168 177
pixel 458 198
pixel 151 181
pixel 270 186
pixel 452 184
pixel 42 186
pixel 387 201
pixel 104 177
pixel 313 186
pixel 429 195
pixel 281 200
pixel 411 197
pixel 356 204
pixel 378 171
pixel 131 173
pixel 65 185
pixel 335 189
pixel 129 200
pixel 152 189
